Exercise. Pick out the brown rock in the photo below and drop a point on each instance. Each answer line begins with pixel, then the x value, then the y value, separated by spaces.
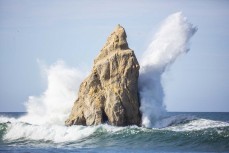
pixel 110 92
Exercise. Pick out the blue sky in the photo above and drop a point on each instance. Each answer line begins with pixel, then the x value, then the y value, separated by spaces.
pixel 75 31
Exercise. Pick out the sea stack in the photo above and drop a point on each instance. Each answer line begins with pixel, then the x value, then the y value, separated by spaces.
pixel 110 93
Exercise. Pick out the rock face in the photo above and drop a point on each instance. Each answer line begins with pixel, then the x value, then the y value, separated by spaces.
pixel 110 93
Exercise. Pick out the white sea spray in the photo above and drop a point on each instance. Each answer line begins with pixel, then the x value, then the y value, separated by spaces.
pixel 170 41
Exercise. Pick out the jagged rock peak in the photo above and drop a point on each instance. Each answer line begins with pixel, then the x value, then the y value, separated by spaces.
pixel 115 42
pixel 110 93
pixel 117 39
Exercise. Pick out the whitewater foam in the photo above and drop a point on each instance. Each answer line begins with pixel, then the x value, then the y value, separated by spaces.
pixel 173 120
pixel 54 133
pixel 198 124
pixel 171 41
pixel 5 119
pixel 62 134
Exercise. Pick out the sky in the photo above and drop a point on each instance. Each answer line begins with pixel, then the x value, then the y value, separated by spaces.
pixel 75 31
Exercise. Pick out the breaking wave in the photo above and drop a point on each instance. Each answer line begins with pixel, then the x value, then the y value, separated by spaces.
pixel 43 123
pixel 184 132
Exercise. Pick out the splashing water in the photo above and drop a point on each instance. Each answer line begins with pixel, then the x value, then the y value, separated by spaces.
pixel 171 41
pixel 54 105
pixel 47 112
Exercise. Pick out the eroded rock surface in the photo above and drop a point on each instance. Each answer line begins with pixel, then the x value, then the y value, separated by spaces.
pixel 110 93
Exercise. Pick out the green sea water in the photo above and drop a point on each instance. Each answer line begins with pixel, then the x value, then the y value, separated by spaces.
pixel 177 132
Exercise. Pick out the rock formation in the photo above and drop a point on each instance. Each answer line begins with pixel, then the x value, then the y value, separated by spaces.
pixel 110 93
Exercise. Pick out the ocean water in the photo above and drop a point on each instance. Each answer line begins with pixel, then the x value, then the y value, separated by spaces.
pixel 175 132
pixel 42 130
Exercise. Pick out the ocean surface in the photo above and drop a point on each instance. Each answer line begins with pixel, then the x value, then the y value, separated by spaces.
pixel 176 132
pixel 42 129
